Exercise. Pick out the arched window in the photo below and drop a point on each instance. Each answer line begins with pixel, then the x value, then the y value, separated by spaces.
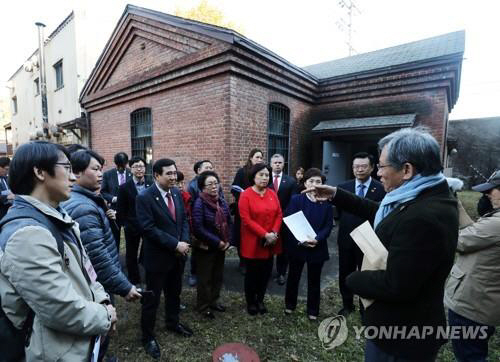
pixel 141 132
pixel 278 131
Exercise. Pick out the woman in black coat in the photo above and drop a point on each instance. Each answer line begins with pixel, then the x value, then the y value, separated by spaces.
pixel 313 252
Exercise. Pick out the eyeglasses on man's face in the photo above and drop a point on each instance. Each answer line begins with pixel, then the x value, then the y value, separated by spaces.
pixel 379 166
pixel 138 167
pixel 360 167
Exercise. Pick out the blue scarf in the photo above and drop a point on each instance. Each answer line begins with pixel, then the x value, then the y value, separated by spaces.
pixel 406 192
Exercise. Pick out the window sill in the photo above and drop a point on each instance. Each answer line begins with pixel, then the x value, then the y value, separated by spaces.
pixel 61 87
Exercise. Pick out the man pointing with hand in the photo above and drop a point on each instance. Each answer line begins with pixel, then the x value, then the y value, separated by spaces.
pixel 417 221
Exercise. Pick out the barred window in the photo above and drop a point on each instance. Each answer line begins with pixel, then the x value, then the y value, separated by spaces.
pixel 141 132
pixel 278 131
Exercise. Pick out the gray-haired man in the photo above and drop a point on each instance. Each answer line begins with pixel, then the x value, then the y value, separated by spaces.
pixel 417 221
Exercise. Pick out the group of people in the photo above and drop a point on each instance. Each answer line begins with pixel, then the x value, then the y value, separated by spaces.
pixel 60 243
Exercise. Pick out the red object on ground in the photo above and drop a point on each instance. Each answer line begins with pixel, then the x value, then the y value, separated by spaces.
pixel 234 352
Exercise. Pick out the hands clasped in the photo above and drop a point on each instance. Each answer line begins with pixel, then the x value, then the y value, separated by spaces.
pixel 271 238
pixel 183 248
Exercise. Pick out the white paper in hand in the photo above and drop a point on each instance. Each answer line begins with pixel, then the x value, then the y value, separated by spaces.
pixel 375 253
pixel 371 246
pixel 300 227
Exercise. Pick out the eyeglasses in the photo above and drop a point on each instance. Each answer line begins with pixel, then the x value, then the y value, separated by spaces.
pixel 211 184
pixel 379 166
pixel 66 165
pixel 360 167
pixel 138 167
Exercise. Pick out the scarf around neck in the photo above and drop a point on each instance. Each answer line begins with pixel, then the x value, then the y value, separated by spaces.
pixel 221 223
pixel 406 192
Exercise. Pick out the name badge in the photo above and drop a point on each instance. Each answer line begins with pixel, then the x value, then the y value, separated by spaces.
pixel 90 270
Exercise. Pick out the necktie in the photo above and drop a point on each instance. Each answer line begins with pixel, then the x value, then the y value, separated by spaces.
pixel 361 190
pixel 5 184
pixel 121 178
pixel 276 184
pixel 170 205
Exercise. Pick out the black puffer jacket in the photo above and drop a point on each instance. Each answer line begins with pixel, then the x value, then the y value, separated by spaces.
pixel 87 209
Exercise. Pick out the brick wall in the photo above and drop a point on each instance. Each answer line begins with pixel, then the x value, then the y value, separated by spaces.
pixel 188 124
pixel 249 122
pixel 141 55
pixel 221 119
pixel 430 106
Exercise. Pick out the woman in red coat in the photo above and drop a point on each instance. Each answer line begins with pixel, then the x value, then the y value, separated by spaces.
pixel 261 218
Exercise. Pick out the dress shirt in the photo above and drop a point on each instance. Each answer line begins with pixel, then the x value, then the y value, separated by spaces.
pixel 366 184
pixel 141 186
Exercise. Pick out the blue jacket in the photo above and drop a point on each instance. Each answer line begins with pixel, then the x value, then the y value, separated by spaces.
pixel 320 216
pixel 87 209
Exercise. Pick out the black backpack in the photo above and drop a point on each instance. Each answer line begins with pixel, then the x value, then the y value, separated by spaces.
pixel 12 340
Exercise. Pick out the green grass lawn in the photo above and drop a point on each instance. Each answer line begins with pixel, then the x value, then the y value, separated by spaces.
pixel 274 336
pixel 469 200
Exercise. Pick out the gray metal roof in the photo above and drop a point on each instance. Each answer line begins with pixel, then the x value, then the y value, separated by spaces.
pixel 350 124
pixel 435 47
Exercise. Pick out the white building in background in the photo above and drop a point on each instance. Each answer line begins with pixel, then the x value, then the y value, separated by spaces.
pixel 70 53
pixel 5 132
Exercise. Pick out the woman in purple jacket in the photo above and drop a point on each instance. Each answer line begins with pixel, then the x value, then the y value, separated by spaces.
pixel 211 226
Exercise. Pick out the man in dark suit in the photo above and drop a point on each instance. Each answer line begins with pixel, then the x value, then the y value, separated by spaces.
pixel 350 256
pixel 161 215
pixel 127 217
pixel 111 181
pixel 6 196
pixel 285 186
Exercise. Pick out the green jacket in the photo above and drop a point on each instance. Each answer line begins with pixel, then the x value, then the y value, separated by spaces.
pixel 473 289
pixel 67 305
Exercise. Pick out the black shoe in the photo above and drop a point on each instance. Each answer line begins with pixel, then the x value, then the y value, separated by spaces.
pixel 218 308
pixel 252 309
pixel 281 280
pixel 262 308
pixel 181 330
pixel 208 314
pixel 346 311
pixel 152 348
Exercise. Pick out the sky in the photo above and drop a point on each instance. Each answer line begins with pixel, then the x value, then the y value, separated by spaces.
pixel 302 32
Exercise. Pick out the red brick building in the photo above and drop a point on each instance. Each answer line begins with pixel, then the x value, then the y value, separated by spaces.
pixel 170 87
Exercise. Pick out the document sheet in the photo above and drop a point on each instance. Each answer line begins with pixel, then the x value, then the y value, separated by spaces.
pixel 300 227
pixel 375 253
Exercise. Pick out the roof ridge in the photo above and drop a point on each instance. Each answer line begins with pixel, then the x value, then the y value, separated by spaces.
pixel 390 47
pixel 439 46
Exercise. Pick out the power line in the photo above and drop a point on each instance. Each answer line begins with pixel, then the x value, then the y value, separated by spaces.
pixel 345 25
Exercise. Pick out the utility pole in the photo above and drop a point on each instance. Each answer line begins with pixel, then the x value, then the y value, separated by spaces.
pixel 43 79
pixel 346 25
